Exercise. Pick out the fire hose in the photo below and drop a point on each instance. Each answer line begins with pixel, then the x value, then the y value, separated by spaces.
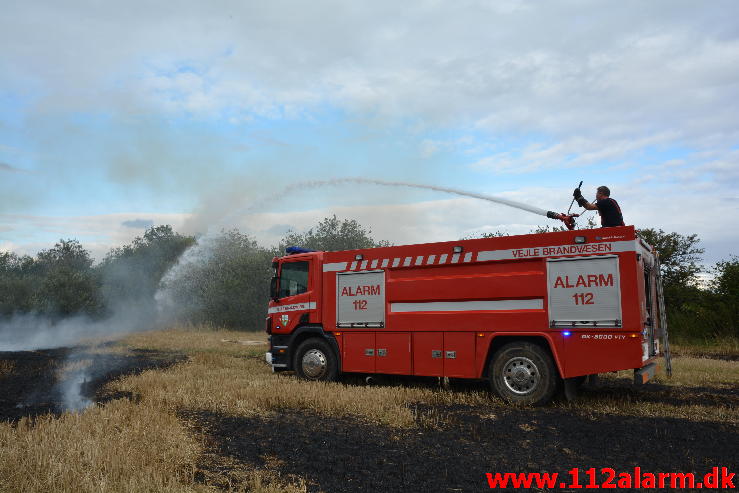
pixel 565 217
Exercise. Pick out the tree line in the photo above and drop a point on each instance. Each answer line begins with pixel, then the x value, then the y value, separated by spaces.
pixel 229 286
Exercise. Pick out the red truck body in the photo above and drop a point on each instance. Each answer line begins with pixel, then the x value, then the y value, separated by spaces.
pixel 588 298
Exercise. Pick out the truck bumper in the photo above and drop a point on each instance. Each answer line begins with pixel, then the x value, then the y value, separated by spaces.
pixel 645 373
pixel 277 357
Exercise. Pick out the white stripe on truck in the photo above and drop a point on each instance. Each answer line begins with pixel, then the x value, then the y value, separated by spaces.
pixel 335 267
pixel 292 308
pixel 466 306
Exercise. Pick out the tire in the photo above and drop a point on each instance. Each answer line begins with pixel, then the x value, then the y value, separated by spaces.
pixel 315 360
pixel 523 373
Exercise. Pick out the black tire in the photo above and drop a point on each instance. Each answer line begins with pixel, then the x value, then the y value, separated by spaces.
pixel 316 360
pixel 523 373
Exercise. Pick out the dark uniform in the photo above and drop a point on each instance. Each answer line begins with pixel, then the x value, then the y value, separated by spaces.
pixel 610 213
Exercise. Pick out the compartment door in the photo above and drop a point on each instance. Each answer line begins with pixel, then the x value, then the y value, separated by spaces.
pixel 584 291
pixel 459 354
pixel 358 352
pixel 428 354
pixel 360 299
pixel 393 353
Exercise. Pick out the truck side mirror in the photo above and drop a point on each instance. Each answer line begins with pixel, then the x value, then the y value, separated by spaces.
pixel 274 289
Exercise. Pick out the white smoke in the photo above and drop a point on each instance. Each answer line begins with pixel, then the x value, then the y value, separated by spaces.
pixel 28 332
pixel 72 380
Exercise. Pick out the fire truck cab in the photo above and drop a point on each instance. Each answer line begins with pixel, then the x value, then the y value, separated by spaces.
pixel 525 312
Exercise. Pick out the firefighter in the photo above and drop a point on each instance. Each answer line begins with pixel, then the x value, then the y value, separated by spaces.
pixel 609 210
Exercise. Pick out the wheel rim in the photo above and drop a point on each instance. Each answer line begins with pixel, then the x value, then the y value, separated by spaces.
pixel 314 363
pixel 520 375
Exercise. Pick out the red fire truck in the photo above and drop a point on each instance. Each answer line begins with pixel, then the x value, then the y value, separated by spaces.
pixel 528 312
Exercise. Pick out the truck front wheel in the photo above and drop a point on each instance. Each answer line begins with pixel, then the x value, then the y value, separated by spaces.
pixel 315 360
pixel 523 373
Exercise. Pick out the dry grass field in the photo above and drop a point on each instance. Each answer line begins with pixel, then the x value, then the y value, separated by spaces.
pixel 209 415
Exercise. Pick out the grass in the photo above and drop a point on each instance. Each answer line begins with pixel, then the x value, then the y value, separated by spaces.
pixel 142 444
pixel 118 447
pixel 724 348
pixel 7 368
pixel 692 371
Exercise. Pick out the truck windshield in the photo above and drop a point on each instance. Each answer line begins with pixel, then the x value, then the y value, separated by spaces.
pixel 293 278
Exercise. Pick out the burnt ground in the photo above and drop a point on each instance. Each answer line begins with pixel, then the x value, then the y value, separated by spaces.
pixel 32 387
pixel 346 454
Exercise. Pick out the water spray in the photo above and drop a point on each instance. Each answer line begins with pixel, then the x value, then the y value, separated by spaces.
pixel 454 191
pixel 568 219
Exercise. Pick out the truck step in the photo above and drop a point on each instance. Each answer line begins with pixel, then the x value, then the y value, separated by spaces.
pixel 645 373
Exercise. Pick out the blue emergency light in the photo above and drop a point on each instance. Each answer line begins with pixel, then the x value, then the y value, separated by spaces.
pixel 292 250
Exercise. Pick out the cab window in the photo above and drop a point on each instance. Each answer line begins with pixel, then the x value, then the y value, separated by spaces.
pixel 293 278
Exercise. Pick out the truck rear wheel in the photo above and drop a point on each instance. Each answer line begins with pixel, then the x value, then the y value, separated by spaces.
pixel 315 360
pixel 523 373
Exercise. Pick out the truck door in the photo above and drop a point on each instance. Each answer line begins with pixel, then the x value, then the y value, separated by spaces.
pixel 652 322
pixel 294 295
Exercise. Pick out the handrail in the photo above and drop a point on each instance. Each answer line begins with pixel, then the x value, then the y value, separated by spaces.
pixel 663 320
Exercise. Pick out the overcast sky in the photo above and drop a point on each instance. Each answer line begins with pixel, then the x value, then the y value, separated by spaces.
pixel 118 115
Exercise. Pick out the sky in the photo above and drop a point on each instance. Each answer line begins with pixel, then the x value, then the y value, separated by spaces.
pixel 116 116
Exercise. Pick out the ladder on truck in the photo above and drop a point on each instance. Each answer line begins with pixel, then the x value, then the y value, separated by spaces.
pixel 663 319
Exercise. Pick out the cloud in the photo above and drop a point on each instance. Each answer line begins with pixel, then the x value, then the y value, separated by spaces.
pixel 567 153
pixel 8 246
pixel 619 71
pixel 277 230
pixel 97 233
pixel 138 223
pixel 559 85
pixel 12 169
